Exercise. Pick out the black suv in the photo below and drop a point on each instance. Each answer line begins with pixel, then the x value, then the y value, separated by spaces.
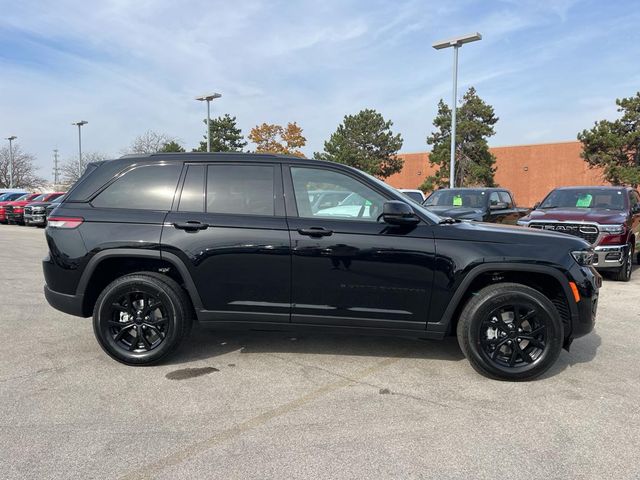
pixel 148 244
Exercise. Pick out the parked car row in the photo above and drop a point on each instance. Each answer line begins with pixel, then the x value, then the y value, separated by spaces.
pixel 606 217
pixel 22 208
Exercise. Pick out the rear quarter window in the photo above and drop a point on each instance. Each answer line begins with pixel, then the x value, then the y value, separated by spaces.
pixel 147 187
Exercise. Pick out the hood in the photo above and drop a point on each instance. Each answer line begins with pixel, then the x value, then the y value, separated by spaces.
pixel 454 212
pixel 521 239
pixel 38 204
pixel 587 215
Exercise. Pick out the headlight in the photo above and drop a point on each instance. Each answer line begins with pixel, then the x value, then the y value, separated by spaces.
pixel 613 229
pixel 583 257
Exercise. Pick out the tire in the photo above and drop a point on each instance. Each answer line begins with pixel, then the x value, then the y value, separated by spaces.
pixel 141 318
pixel 502 345
pixel 624 273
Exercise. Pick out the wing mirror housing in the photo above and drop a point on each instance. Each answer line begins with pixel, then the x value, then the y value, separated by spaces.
pixel 395 212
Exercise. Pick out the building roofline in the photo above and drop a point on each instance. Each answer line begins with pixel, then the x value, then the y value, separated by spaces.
pixel 559 142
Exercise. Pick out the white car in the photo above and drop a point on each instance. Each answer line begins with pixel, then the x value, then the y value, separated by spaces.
pixel 415 195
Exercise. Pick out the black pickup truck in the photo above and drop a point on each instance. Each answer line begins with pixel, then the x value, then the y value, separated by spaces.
pixel 494 205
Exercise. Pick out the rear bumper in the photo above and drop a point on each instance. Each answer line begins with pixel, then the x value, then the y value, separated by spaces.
pixel 71 304
pixel 609 256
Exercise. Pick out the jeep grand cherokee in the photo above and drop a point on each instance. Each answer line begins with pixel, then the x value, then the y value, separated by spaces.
pixel 149 244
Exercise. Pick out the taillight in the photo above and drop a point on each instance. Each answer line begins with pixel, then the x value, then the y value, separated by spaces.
pixel 64 222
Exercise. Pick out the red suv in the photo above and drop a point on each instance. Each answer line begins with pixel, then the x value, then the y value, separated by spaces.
pixel 606 217
pixel 12 212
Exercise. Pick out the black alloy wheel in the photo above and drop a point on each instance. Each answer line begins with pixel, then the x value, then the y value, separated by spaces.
pixel 139 321
pixel 140 318
pixel 513 335
pixel 510 331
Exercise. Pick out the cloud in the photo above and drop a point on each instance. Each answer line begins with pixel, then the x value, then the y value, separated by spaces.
pixel 127 67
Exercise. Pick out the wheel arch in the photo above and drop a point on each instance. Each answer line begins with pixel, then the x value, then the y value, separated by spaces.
pixel 107 265
pixel 526 274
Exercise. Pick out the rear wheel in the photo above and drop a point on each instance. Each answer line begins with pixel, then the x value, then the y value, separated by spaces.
pixel 141 318
pixel 624 273
pixel 510 331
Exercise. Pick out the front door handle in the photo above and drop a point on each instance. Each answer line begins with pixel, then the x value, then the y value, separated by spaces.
pixel 315 232
pixel 191 226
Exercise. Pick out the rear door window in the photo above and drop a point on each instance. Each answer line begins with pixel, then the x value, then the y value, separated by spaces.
pixel 192 197
pixel 148 187
pixel 241 189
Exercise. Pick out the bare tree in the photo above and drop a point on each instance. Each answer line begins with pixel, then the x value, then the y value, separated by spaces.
pixel 24 169
pixel 69 169
pixel 149 142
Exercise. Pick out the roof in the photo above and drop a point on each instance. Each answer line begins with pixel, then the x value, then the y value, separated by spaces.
pixel 595 187
pixel 213 156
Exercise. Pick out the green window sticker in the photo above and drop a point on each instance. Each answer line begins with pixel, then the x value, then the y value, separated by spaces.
pixel 457 200
pixel 584 201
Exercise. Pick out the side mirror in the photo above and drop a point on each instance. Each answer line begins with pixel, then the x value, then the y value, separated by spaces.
pixel 395 212
pixel 498 206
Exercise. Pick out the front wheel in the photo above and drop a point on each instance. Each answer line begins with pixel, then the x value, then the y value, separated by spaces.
pixel 141 318
pixel 510 331
pixel 624 273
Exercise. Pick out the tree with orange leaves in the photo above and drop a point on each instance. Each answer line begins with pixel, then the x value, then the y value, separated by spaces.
pixel 271 138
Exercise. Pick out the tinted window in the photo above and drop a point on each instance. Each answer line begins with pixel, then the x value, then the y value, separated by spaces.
pixel 494 198
pixel 415 196
pixel 360 203
pixel 241 189
pixel 150 187
pixel 192 197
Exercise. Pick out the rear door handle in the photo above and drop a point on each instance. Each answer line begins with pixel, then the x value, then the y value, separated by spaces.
pixel 191 226
pixel 315 232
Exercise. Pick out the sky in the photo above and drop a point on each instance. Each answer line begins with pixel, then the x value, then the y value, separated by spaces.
pixel 549 68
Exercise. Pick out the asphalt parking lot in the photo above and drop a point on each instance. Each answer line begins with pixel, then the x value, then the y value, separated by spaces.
pixel 269 405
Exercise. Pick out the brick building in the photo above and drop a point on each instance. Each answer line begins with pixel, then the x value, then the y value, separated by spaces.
pixel 529 171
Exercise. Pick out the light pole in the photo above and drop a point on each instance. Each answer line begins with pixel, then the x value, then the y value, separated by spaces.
pixel 11 139
pixel 208 98
pixel 80 124
pixel 456 43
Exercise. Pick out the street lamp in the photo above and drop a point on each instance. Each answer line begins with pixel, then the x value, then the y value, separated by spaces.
pixel 11 139
pixel 456 43
pixel 208 98
pixel 80 124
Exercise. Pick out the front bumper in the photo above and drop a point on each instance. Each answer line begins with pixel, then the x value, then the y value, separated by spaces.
pixel 15 217
pixel 35 218
pixel 588 281
pixel 609 256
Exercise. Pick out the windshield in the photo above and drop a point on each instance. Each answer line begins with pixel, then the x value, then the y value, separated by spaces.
pixel 457 198
pixel 23 197
pixel 611 199
pixel 39 198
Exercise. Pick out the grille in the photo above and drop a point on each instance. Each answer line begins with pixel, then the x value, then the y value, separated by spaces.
pixel 587 232
pixel 27 210
pixel 8 209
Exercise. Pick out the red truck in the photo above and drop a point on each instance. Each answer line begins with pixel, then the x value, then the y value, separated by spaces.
pixel 606 217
